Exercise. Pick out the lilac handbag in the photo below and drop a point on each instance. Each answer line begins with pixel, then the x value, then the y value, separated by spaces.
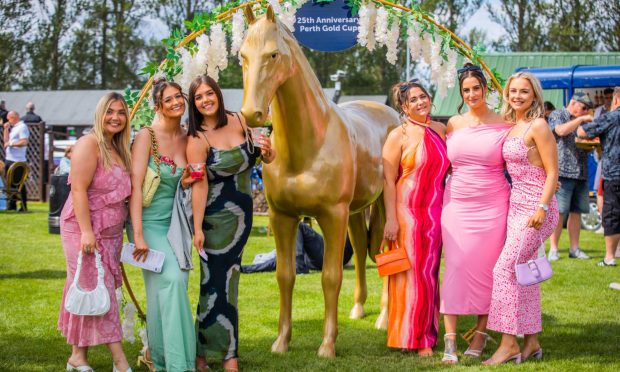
pixel 533 271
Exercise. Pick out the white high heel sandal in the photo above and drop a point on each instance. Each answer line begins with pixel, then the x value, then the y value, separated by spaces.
pixel 449 356
pixel 114 369
pixel 476 353
pixel 84 368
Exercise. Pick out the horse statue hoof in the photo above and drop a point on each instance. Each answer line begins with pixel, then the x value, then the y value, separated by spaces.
pixel 357 312
pixel 280 345
pixel 327 350
pixel 382 320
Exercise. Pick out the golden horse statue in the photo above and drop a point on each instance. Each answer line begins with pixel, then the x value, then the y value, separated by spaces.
pixel 328 166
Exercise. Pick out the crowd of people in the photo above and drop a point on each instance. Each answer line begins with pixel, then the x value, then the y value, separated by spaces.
pixel 486 223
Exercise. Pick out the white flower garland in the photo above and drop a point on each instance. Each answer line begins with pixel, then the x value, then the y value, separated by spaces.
pixel 414 42
pixel 392 42
pixel 366 23
pixel 130 322
pixel 381 27
pixel 237 33
pixel 217 56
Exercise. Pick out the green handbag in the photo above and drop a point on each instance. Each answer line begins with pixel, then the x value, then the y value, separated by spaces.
pixel 151 178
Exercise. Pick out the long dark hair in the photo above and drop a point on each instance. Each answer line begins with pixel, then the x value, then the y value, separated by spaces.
pixel 470 70
pixel 195 117
pixel 159 85
pixel 400 92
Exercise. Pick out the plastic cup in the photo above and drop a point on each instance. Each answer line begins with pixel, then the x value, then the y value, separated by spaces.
pixel 256 133
pixel 197 170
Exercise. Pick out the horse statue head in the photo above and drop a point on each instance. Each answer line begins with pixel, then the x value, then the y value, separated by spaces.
pixel 270 56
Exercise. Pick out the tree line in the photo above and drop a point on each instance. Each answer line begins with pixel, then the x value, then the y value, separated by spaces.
pixel 103 44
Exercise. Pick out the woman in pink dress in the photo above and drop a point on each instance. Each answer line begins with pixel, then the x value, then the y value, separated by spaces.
pixel 92 219
pixel 414 165
pixel 532 162
pixel 475 207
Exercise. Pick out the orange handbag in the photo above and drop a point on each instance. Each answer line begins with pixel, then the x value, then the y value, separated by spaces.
pixel 392 261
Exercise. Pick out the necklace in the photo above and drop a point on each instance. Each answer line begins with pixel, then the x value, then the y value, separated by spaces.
pixel 426 123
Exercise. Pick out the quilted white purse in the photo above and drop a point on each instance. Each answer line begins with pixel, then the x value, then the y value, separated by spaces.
pixel 95 302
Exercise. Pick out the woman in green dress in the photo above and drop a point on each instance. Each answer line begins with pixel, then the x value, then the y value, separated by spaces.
pixel 222 206
pixel 170 330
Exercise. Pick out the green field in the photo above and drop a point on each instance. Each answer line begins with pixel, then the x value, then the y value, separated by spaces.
pixel 581 315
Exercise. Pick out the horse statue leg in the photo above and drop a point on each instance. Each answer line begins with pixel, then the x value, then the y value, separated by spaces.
pixel 358 235
pixel 285 232
pixel 333 222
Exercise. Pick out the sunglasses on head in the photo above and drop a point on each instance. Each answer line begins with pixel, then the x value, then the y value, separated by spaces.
pixel 469 68
pixel 405 86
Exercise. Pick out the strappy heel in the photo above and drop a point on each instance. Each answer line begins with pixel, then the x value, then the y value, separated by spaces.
pixel 537 355
pixel 476 353
pixel 449 351
pixel 514 358
pixel 84 368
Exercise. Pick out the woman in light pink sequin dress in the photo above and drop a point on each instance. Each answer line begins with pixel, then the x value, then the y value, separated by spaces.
pixel 93 218
pixel 531 159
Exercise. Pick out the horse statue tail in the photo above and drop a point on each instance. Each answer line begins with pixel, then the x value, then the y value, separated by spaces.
pixel 375 227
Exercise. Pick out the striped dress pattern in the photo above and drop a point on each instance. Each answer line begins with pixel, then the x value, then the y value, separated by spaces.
pixel 413 308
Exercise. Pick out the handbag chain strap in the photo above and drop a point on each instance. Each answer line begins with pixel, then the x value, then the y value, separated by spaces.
pixel 521 246
pixel 154 148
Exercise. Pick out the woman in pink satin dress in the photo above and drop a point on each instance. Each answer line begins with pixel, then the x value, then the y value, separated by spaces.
pixel 92 219
pixel 475 207
pixel 532 162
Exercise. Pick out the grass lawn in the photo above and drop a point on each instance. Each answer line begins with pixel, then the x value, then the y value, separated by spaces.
pixel 581 315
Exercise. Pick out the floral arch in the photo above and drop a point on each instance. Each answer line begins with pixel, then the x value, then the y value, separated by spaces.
pixel 216 37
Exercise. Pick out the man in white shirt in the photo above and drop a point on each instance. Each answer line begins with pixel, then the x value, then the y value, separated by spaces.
pixel 16 135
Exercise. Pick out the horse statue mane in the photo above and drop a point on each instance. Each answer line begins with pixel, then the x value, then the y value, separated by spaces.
pixel 328 165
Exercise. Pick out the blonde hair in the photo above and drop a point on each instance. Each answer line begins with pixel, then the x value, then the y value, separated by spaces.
pixel 535 111
pixel 120 141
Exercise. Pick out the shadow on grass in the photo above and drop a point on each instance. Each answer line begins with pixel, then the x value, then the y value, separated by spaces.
pixel 39 274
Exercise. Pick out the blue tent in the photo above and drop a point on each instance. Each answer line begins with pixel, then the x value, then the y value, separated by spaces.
pixel 570 78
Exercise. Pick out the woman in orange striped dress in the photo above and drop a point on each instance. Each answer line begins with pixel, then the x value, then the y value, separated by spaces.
pixel 415 165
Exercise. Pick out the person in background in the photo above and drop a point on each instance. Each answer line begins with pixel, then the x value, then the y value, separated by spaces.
pixel 92 220
pixel 30 116
pixel 16 136
pixel 475 207
pixel 415 164
pixel 607 128
pixel 3 112
pixel 573 198
pixel 549 108
pixel 64 167
pixel 309 251
pixel 531 159
pixel 222 206
pixel 608 94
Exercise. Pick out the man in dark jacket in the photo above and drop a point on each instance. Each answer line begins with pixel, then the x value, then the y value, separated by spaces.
pixel 30 116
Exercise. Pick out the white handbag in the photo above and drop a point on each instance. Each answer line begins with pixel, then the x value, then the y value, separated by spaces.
pixel 95 302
